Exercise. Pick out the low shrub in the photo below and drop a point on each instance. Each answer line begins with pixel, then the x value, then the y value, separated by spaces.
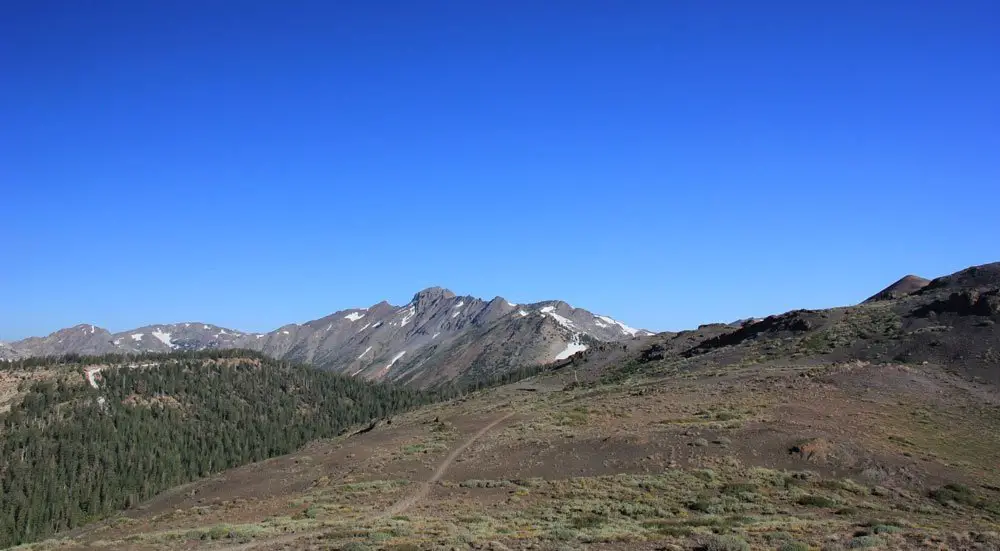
pixel 958 493
pixel 562 534
pixel 863 542
pixel 738 488
pixel 674 530
pixel 726 543
pixel 816 501
pixel 589 520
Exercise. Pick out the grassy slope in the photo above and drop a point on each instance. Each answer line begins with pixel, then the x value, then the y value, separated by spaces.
pixel 873 426
pixel 641 464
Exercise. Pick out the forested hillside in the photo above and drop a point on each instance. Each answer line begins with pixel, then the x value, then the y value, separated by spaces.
pixel 71 453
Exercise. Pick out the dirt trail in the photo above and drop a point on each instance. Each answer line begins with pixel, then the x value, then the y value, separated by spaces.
pixel 399 506
pixel 425 487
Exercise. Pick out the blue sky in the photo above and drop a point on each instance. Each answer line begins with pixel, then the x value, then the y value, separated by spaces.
pixel 667 163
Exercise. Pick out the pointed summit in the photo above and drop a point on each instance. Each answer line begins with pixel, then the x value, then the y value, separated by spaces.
pixel 431 295
pixel 907 285
pixel 84 328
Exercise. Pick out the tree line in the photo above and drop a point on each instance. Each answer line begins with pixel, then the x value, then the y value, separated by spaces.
pixel 71 454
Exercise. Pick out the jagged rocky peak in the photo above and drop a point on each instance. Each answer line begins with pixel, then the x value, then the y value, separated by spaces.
pixel 381 308
pixel 436 336
pixel 500 303
pixel 556 305
pixel 431 296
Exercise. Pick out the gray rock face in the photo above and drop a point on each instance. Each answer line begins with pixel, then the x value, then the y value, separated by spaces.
pixel 7 352
pixel 436 337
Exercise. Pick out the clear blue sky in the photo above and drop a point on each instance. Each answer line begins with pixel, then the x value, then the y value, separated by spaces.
pixel 667 163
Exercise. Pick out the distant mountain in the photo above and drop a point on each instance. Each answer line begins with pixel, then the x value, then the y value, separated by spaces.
pixel 906 286
pixel 7 352
pixel 436 337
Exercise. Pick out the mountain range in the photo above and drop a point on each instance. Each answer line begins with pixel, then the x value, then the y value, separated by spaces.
pixel 816 419
pixel 436 337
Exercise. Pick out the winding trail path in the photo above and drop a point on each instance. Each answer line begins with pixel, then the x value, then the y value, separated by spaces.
pixel 396 508
pixel 425 487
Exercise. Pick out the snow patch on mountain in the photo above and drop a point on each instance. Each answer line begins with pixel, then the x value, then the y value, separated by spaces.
pixel 565 322
pixel 409 315
pixel 354 316
pixel 392 362
pixel 572 347
pixel 623 327
pixel 395 359
pixel 164 337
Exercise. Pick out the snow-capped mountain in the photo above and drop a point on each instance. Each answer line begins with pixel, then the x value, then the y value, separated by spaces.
pixel 435 337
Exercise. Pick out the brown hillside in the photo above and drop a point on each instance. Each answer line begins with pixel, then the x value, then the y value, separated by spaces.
pixel 875 426
pixel 907 285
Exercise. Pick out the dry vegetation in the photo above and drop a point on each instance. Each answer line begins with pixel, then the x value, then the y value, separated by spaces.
pixel 786 457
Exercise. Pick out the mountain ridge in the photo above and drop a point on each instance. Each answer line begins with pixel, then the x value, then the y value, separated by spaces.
pixel 421 342
pixel 792 391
